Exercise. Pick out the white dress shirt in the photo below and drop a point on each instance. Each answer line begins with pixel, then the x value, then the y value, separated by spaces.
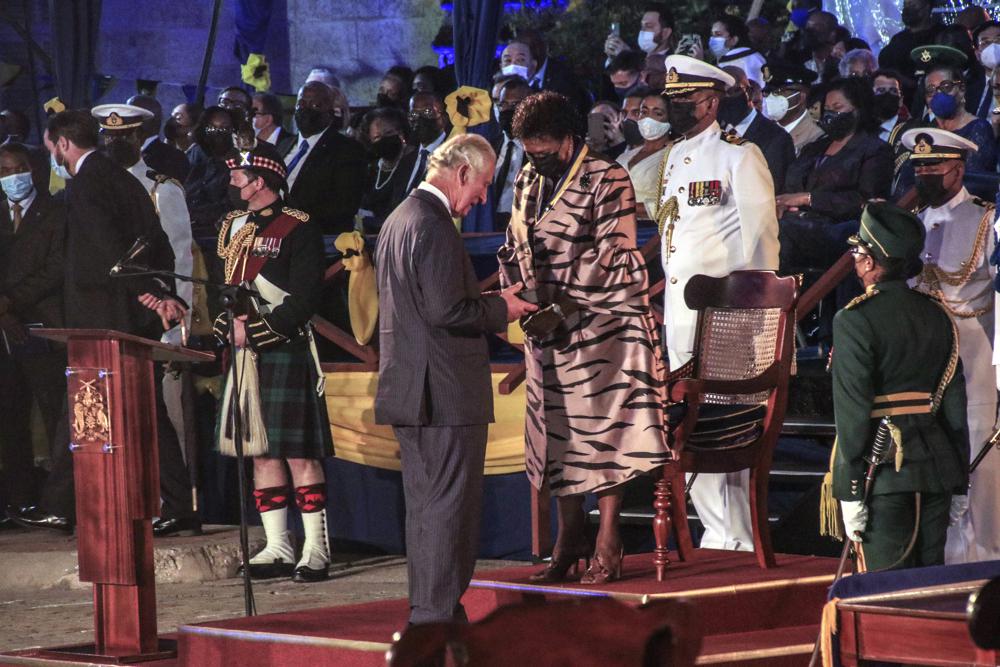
pixel 506 194
pixel 885 129
pixel 434 190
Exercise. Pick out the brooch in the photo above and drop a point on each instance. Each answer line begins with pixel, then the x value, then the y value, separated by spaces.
pixel 585 181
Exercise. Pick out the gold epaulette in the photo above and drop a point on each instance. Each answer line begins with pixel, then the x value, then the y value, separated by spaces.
pixel 296 213
pixel 229 217
pixel 983 203
pixel 733 138
pixel 869 293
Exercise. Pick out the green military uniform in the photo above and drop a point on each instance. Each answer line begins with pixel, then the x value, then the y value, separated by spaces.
pixel 895 353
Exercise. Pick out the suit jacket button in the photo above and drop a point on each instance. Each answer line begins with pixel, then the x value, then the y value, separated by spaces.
pixel 687 160
pixel 673 281
pixel 680 189
pixel 673 248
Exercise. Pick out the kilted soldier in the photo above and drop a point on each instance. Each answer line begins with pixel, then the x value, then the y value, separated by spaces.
pixel 276 251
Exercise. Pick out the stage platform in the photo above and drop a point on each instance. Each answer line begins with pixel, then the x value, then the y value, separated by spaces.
pixel 749 616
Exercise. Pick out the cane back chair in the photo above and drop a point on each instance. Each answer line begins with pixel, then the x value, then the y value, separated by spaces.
pixel 727 405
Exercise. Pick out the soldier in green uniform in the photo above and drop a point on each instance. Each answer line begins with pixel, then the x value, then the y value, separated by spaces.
pixel 896 354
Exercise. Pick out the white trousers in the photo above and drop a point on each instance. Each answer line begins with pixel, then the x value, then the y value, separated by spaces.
pixel 722 501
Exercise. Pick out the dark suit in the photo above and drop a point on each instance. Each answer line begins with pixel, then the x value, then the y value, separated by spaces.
pixel 383 201
pixel 840 185
pixel 284 141
pixel 107 209
pixel 435 390
pixel 776 145
pixel 167 160
pixel 31 276
pixel 330 182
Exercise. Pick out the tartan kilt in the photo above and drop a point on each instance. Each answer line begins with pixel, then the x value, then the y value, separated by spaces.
pixel 294 416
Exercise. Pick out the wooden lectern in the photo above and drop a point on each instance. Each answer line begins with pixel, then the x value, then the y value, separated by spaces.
pixel 112 414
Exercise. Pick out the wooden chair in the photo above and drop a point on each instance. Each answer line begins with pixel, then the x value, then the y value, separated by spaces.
pixel 583 632
pixel 732 397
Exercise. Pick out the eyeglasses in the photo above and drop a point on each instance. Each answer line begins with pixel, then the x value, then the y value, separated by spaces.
pixel 423 113
pixel 943 87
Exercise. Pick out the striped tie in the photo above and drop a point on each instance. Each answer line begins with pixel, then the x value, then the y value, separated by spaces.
pixel 303 148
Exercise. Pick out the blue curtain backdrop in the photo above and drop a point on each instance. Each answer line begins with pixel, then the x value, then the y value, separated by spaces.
pixel 75 29
pixel 477 23
pixel 252 20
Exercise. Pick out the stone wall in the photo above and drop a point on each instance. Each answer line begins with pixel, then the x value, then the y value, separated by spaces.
pixel 165 41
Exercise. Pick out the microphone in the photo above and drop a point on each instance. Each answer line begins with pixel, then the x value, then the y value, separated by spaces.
pixel 140 246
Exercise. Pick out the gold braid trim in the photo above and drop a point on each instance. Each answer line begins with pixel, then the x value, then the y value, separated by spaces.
pixel 237 248
pixel 932 275
pixel 666 210
pixel 949 371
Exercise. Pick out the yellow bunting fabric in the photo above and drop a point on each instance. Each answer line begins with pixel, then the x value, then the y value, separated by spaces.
pixel 467 107
pixel 256 72
pixel 350 403
pixel 55 105
pixel 362 294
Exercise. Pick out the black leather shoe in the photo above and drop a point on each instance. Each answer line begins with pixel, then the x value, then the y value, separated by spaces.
pixel 173 526
pixel 278 568
pixel 307 575
pixel 34 517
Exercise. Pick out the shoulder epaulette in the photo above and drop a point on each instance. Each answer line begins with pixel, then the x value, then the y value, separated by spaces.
pixel 733 138
pixel 234 214
pixel 856 301
pixel 982 203
pixel 296 213
pixel 163 178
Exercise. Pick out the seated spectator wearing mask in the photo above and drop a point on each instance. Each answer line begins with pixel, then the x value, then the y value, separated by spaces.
pixel 268 115
pixel 827 186
pixel 237 101
pixel 973 73
pixel 326 170
pixel 738 116
pixel 429 126
pixel 384 135
pixel 509 151
pixel 944 96
pixel 987 41
pixel 859 63
pixel 643 162
pixel 889 109
pixel 785 103
pixel 920 27
pixel 207 184
pixel 179 129
pixel 618 130
pixel 625 74
pixel 730 45
pixel 393 91
pixel 516 60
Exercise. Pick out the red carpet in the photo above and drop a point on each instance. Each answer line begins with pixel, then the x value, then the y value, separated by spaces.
pixel 750 616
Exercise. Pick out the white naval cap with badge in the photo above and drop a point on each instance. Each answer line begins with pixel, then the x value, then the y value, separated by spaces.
pixel 929 145
pixel 113 117
pixel 686 75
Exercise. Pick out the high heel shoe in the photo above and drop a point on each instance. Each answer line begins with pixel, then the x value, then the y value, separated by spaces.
pixel 602 572
pixel 559 568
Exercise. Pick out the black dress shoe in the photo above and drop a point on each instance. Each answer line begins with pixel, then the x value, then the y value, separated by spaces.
pixel 34 517
pixel 307 575
pixel 174 526
pixel 278 568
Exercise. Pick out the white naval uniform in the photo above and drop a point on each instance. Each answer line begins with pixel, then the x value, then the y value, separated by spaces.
pixel 738 232
pixel 951 232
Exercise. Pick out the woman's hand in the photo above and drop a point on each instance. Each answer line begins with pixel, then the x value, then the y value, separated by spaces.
pixel 792 202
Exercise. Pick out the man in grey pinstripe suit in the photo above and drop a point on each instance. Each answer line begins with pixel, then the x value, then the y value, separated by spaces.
pixel 434 372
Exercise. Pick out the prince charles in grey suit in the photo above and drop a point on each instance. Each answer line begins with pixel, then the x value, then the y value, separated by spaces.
pixel 435 387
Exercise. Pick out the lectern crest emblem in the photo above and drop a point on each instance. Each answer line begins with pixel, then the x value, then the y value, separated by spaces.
pixel 90 414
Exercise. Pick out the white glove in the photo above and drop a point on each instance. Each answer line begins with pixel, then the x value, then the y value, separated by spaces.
pixel 959 506
pixel 855 515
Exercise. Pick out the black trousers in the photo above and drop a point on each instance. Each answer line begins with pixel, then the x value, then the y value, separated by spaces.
pixel 27 377
pixel 443 486
pixel 58 496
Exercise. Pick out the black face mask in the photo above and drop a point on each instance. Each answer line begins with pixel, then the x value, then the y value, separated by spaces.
pixel 912 16
pixel 734 109
pixel 235 196
pixel 383 100
pixel 506 120
pixel 681 116
pixel 838 125
pixel 886 106
pixel 931 189
pixel 312 121
pixel 217 145
pixel 548 165
pixel 630 128
pixel 425 130
pixel 125 153
pixel 388 147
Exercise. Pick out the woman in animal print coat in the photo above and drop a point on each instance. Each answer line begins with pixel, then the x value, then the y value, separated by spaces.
pixel 595 385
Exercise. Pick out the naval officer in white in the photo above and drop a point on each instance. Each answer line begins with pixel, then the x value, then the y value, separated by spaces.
pixel 717 215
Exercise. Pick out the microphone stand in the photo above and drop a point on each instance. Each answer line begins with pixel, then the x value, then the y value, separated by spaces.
pixel 229 297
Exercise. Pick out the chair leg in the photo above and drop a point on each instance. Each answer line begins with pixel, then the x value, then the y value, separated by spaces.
pixel 758 516
pixel 662 501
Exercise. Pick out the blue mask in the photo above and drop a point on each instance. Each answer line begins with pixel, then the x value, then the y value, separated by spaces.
pixel 59 170
pixel 16 186
pixel 799 17
pixel 944 105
